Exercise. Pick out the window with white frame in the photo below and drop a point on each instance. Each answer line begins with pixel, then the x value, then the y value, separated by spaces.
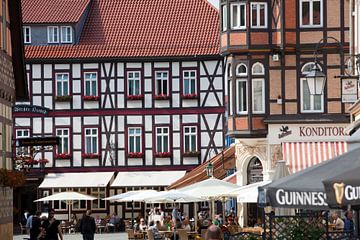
pixel 27 34
pixel 63 134
pixel 162 139
pixel 258 88
pixel 79 204
pixel 61 204
pixel 53 34
pixel 90 79
pixel 162 82
pixel 224 17
pixel 22 133
pixel 241 97
pixel 91 140
pixel 133 79
pixel 62 84
pixel 190 139
pixel 258 15
pixel 189 79
pixel 66 34
pixel 311 13
pixel 100 194
pixel 134 139
pixel 238 15
pixel 309 103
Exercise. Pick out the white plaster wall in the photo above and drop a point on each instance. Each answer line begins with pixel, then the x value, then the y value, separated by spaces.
pixel 62 121
pixel 48 102
pixel 147 69
pixel 48 124
pixel 189 102
pixel 189 64
pixel 135 162
pixel 91 120
pixel 148 140
pixel 121 158
pixel 77 140
pixel 175 68
pixel 77 102
pixel 76 124
pixel 76 71
pixel 176 122
pixel 176 157
pixel 120 69
pixel 47 71
pixel 162 119
pixel 62 66
pixel 162 161
pixel 36 86
pixel 161 65
pixel 36 71
pixel 48 87
pixel 134 104
pixel 190 160
pixel 22 122
pixel 210 65
pixel 162 103
pixel 148 100
pixel 76 87
pixel 190 118
pixel 134 120
pixel 37 123
pixel 91 66
pixel 148 157
pixel 176 100
pixel 37 100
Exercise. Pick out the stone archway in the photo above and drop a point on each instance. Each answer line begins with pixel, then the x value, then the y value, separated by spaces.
pixel 254 174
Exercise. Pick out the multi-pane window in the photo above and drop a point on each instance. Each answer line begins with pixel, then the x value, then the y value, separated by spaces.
pixel 241 85
pixel 258 15
pixel 62 84
pixel 100 194
pixel 133 78
pixel 61 204
pixel 162 139
pixel 27 34
pixel 91 140
pixel 53 34
pixel 258 88
pixel 162 83
pixel 134 137
pixel 90 79
pixel 66 34
pixel 189 78
pixel 238 15
pixel 63 134
pixel 79 204
pixel 190 140
pixel 22 133
pixel 311 13
pixel 309 102
pixel 224 17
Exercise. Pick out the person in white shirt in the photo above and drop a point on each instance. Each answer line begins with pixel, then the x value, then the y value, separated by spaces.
pixel 338 222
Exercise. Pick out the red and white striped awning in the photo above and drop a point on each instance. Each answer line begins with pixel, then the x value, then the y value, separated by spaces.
pixel 301 155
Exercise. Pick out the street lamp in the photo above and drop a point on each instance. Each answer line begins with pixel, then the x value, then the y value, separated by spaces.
pixel 210 170
pixel 316 78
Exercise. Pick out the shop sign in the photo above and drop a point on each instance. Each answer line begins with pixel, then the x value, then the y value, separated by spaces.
pixel 38 141
pixel 349 90
pixel 30 108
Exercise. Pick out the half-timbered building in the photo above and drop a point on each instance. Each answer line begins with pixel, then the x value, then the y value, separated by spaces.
pixel 131 88
pixel 270 47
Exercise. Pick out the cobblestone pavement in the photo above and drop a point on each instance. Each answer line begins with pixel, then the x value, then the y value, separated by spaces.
pixel 78 236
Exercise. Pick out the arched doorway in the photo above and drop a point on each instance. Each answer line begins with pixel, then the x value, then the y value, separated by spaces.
pixel 254 174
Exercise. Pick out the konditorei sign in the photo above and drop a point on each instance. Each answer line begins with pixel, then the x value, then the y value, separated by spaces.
pixel 30 108
pixel 306 132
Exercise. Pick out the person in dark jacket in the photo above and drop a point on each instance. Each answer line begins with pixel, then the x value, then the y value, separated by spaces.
pixel 88 226
pixel 36 226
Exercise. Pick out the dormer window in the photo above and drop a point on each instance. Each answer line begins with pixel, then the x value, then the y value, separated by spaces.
pixel 27 34
pixel 53 34
pixel 66 34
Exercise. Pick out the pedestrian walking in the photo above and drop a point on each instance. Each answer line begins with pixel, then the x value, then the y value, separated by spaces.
pixel 88 226
pixel 35 229
pixel 52 227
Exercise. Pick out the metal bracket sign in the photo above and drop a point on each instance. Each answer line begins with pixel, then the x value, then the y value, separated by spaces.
pixel 38 141
pixel 349 90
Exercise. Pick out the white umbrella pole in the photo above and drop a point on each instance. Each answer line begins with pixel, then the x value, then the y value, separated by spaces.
pixel 212 209
pixel 223 210
pixel 195 215
pixel 69 206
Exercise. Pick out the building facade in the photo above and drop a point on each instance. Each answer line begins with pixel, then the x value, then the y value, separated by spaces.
pixel 270 47
pixel 122 94
pixel 12 76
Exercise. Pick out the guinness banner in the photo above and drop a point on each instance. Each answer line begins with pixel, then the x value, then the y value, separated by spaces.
pixel 306 190
pixel 344 189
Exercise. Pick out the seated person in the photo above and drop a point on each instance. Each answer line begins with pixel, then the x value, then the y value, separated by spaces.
pixel 142 225
pixel 112 223
pixel 97 220
pixel 186 225
pixel 339 224
pixel 155 231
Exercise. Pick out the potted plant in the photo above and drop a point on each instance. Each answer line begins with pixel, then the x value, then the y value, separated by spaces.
pixel 90 155
pixel 11 178
pixel 91 98
pixel 135 97
pixel 135 155
pixel 62 156
pixel 191 154
pixel 162 97
pixel 189 96
pixel 163 154
pixel 66 98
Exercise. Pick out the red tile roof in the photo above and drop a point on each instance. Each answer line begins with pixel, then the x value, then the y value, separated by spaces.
pixel 52 11
pixel 139 28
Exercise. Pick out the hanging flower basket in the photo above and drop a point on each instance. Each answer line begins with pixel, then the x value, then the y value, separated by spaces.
pixel 190 96
pixel 90 155
pixel 191 154
pixel 135 155
pixel 163 154
pixel 63 98
pixel 135 97
pixel 43 161
pixel 11 178
pixel 162 97
pixel 91 98
pixel 62 156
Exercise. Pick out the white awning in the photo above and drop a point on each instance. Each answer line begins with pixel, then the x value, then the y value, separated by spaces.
pixel 144 179
pixel 249 193
pixel 70 180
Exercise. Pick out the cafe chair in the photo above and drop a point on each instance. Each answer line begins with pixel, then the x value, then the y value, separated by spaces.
pixel 182 234
pixel 150 235
pixel 131 234
pixel 22 229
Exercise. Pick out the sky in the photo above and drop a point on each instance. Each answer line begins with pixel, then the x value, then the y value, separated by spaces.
pixel 215 3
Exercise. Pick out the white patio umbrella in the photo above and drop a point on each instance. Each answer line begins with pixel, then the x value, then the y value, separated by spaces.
pixel 127 194
pixel 246 193
pixel 172 196
pixel 68 197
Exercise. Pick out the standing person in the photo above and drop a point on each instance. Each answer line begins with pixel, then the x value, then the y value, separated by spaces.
pixel 28 222
pixel 52 227
pixel 88 226
pixel 35 229
pixel 349 223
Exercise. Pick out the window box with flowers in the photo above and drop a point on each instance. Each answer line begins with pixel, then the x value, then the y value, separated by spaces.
pixel 189 96
pixel 91 98
pixel 162 97
pixel 135 97
pixel 90 155
pixel 135 155
pixel 191 154
pixel 62 156
pixel 163 154
pixel 67 98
